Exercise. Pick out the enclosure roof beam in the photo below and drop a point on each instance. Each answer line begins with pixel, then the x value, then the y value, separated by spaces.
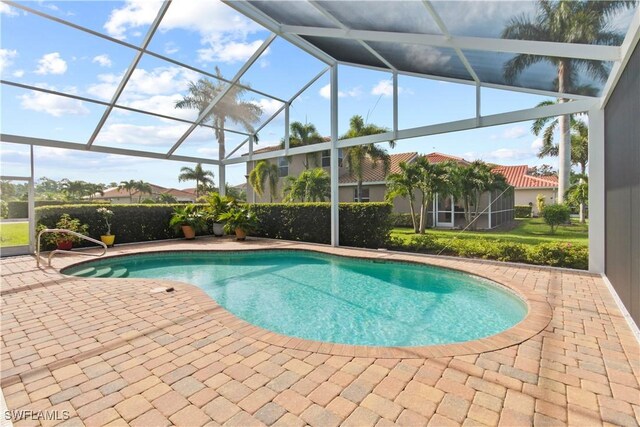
pixel 122 107
pixel 41 142
pixel 134 47
pixel 531 47
pixel 132 67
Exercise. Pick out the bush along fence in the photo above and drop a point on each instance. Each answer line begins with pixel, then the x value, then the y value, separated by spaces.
pixel 20 209
pixel 361 224
pixel 555 254
pixel 523 211
pixel 364 225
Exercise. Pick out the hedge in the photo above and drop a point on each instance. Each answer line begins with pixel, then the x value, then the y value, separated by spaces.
pixel 523 211
pixel 556 254
pixel 361 224
pixel 130 223
pixel 20 208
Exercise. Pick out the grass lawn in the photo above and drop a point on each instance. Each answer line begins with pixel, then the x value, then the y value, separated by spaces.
pixel 530 231
pixel 14 234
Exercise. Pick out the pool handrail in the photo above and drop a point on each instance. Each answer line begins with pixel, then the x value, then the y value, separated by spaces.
pixel 56 251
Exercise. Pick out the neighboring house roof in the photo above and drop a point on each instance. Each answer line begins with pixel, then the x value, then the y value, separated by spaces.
pixel 439 158
pixel 376 173
pixel 517 177
pixel 265 150
pixel 115 193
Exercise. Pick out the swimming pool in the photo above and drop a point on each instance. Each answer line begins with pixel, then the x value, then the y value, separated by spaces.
pixel 332 298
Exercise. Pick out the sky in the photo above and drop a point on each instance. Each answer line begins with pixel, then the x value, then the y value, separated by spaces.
pixel 209 34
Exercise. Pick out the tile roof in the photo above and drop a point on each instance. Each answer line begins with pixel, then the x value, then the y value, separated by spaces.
pixel 439 158
pixel 517 177
pixel 376 174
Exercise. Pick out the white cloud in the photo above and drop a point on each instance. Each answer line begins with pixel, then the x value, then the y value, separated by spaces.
pixel 513 132
pixel 5 9
pixel 325 92
pixel 230 52
pixel 537 144
pixel 269 106
pixel 18 73
pixel 508 154
pixel 170 48
pixel 385 88
pixel 125 134
pixel 6 57
pixel 102 60
pixel 51 63
pixel 56 106
pixel 223 32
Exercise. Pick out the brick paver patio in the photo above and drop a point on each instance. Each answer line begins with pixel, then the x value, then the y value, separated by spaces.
pixel 111 352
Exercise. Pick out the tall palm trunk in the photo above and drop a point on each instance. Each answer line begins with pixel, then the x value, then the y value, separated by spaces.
pixel 424 205
pixel 413 215
pixel 564 151
pixel 359 191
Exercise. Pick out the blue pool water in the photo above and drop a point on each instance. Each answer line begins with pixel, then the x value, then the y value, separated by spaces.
pixel 331 298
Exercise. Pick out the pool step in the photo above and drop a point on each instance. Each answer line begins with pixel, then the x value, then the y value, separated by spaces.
pixel 85 272
pixel 103 272
pixel 115 272
pixel 119 271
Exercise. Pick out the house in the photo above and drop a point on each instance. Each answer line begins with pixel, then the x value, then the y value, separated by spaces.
pixel 448 212
pixel 117 196
pixel 527 187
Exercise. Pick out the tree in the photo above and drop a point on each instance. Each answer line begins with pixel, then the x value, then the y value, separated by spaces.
pixel 230 107
pixel 578 194
pixel 197 174
pixel 404 184
pixel 143 188
pixel 264 172
pixel 312 185
pixel 431 179
pixel 130 187
pixel 579 138
pixel 304 134
pixel 542 170
pixel 555 215
pixel 75 189
pixel 565 22
pixel 167 198
pixel 356 156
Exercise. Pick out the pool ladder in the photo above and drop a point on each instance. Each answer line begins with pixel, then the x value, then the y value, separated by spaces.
pixel 57 251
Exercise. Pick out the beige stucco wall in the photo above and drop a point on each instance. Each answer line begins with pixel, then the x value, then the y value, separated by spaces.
pixel 524 196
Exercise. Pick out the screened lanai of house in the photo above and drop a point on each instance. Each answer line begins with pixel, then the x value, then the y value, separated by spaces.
pixel 460 42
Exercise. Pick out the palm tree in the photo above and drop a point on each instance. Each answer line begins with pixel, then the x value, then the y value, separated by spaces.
pixel 143 188
pixel 565 22
pixel 356 156
pixel 404 184
pixel 304 134
pixel 196 174
pixel 432 179
pixel 579 138
pixel 75 189
pixel 130 187
pixel 263 172
pixel 578 194
pixel 231 107
pixel 313 185
pixel 167 198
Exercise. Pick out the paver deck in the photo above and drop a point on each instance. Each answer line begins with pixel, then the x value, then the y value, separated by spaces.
pixel 110 352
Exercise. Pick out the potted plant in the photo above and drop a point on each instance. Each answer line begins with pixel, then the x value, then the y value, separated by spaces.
pixel 216 206
pixel 188 218
pixel 107 214
pixel 65 241
pixel 240 220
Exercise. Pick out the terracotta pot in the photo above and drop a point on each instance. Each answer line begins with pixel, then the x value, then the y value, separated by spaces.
pixel 108 239
pixel 240 234
pixel 189 232
pixel 64 245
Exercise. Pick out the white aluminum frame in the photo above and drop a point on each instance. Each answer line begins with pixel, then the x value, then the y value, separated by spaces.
pixel 618 54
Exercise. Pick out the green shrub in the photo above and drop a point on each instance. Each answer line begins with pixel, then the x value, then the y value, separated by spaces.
pixel 554 215
pixel 560 254
pixel 401 220
pixel 523 211
pixel 361 224
pixel 20 208
pixel 552 254
pixel 4 209
pixel 132 223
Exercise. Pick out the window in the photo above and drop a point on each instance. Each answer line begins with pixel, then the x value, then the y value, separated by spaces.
pixel 326 158
pixel 283 166
pixel 365 195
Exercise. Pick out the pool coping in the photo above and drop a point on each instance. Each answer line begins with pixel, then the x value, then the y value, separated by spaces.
pixel 539 312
